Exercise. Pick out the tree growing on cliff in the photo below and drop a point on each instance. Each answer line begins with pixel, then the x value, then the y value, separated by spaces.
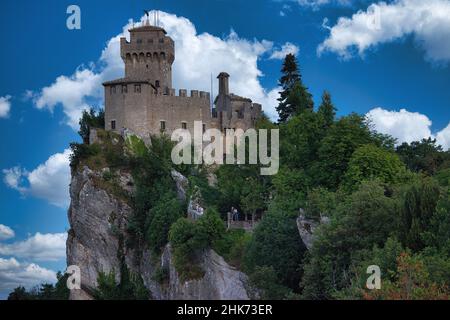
pixel 90 119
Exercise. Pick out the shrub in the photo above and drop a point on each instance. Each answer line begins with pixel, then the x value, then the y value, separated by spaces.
pixel 232 246
pixel 160 218
pixel 265 282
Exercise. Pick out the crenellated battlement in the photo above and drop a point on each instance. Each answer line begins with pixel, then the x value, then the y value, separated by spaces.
pixel 145 102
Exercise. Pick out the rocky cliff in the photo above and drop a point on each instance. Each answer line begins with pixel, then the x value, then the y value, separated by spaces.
pixel 98 217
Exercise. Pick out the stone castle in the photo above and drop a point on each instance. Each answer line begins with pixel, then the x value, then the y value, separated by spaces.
pixel 144 101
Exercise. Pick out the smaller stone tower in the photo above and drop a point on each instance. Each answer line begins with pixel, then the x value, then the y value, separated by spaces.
pixel 149 56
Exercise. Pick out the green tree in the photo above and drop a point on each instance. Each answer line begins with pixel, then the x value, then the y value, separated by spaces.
pixel 337 147
pixel 186 244
pixel 419 206
pixel 129 287
pixel 294 97
pixel 253 196
pixel 276 243
pixel 423 156
pixel 370 162
pixel 362 220
pixel 326 110
pixel 264 279
pixel 20 293
pixel 210 227
pixel 90 119
pixel 160 218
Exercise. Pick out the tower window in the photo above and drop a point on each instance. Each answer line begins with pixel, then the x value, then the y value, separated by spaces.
pixel 137 88
pixel 183 125
pixel 113 125
pixel 157 83
pixel 139 41
pixel 204 127
pixel 124 88
pixel 162 125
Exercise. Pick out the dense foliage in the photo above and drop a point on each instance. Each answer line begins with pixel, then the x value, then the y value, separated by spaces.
pixel 375 203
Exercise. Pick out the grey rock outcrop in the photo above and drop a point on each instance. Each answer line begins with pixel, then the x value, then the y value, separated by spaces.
pixel 97 217
pixel 94 216
pixel 182 184
pixel 220 282
pixel 307 227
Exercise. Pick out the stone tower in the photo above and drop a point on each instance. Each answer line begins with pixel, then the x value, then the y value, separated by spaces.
pixel 145 102
pixel 149 56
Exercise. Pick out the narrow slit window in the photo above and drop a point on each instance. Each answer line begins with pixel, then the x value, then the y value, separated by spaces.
pixel 162 125
pixel 137 88
pixel 113 125
pixel 183 125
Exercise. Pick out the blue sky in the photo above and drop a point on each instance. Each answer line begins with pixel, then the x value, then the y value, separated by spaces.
pixel 50 73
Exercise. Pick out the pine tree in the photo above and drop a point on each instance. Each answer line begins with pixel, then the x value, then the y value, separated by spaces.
pixel 327 111
pixel 294 98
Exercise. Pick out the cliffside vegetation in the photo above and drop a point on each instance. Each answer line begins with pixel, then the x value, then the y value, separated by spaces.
pixel 384 204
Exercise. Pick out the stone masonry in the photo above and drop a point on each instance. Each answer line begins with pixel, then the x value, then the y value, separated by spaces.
pixel 144 101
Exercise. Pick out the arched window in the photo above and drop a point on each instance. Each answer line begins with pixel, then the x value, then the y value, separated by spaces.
pixel 163 56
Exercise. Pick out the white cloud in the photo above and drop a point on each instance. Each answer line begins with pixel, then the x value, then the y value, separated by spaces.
pixel 284 50
pixel 71 92
pixel 40 247
pixel 427 21
pixel 443 137
pixel 14 274
pixel 6 232
pixel 316 4
pixel 197 57
pixel 49 181
pixel 407 126
pixel 5 106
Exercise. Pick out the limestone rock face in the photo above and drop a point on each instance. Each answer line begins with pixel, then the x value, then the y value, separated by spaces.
pixel 97 218
pixel 220 282
pixel 181 184
pixel 307 227
pixel 94 216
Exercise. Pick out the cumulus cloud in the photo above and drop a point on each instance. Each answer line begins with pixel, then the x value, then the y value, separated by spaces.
pixel 40 247
pixel 6 232
pixel 427 21
pixel 14 274
pixel 443 137
pixel 316 4
pixel 49 181
pixel 407 126
pixel 197 57
pixel 5 106
pixel 284 50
